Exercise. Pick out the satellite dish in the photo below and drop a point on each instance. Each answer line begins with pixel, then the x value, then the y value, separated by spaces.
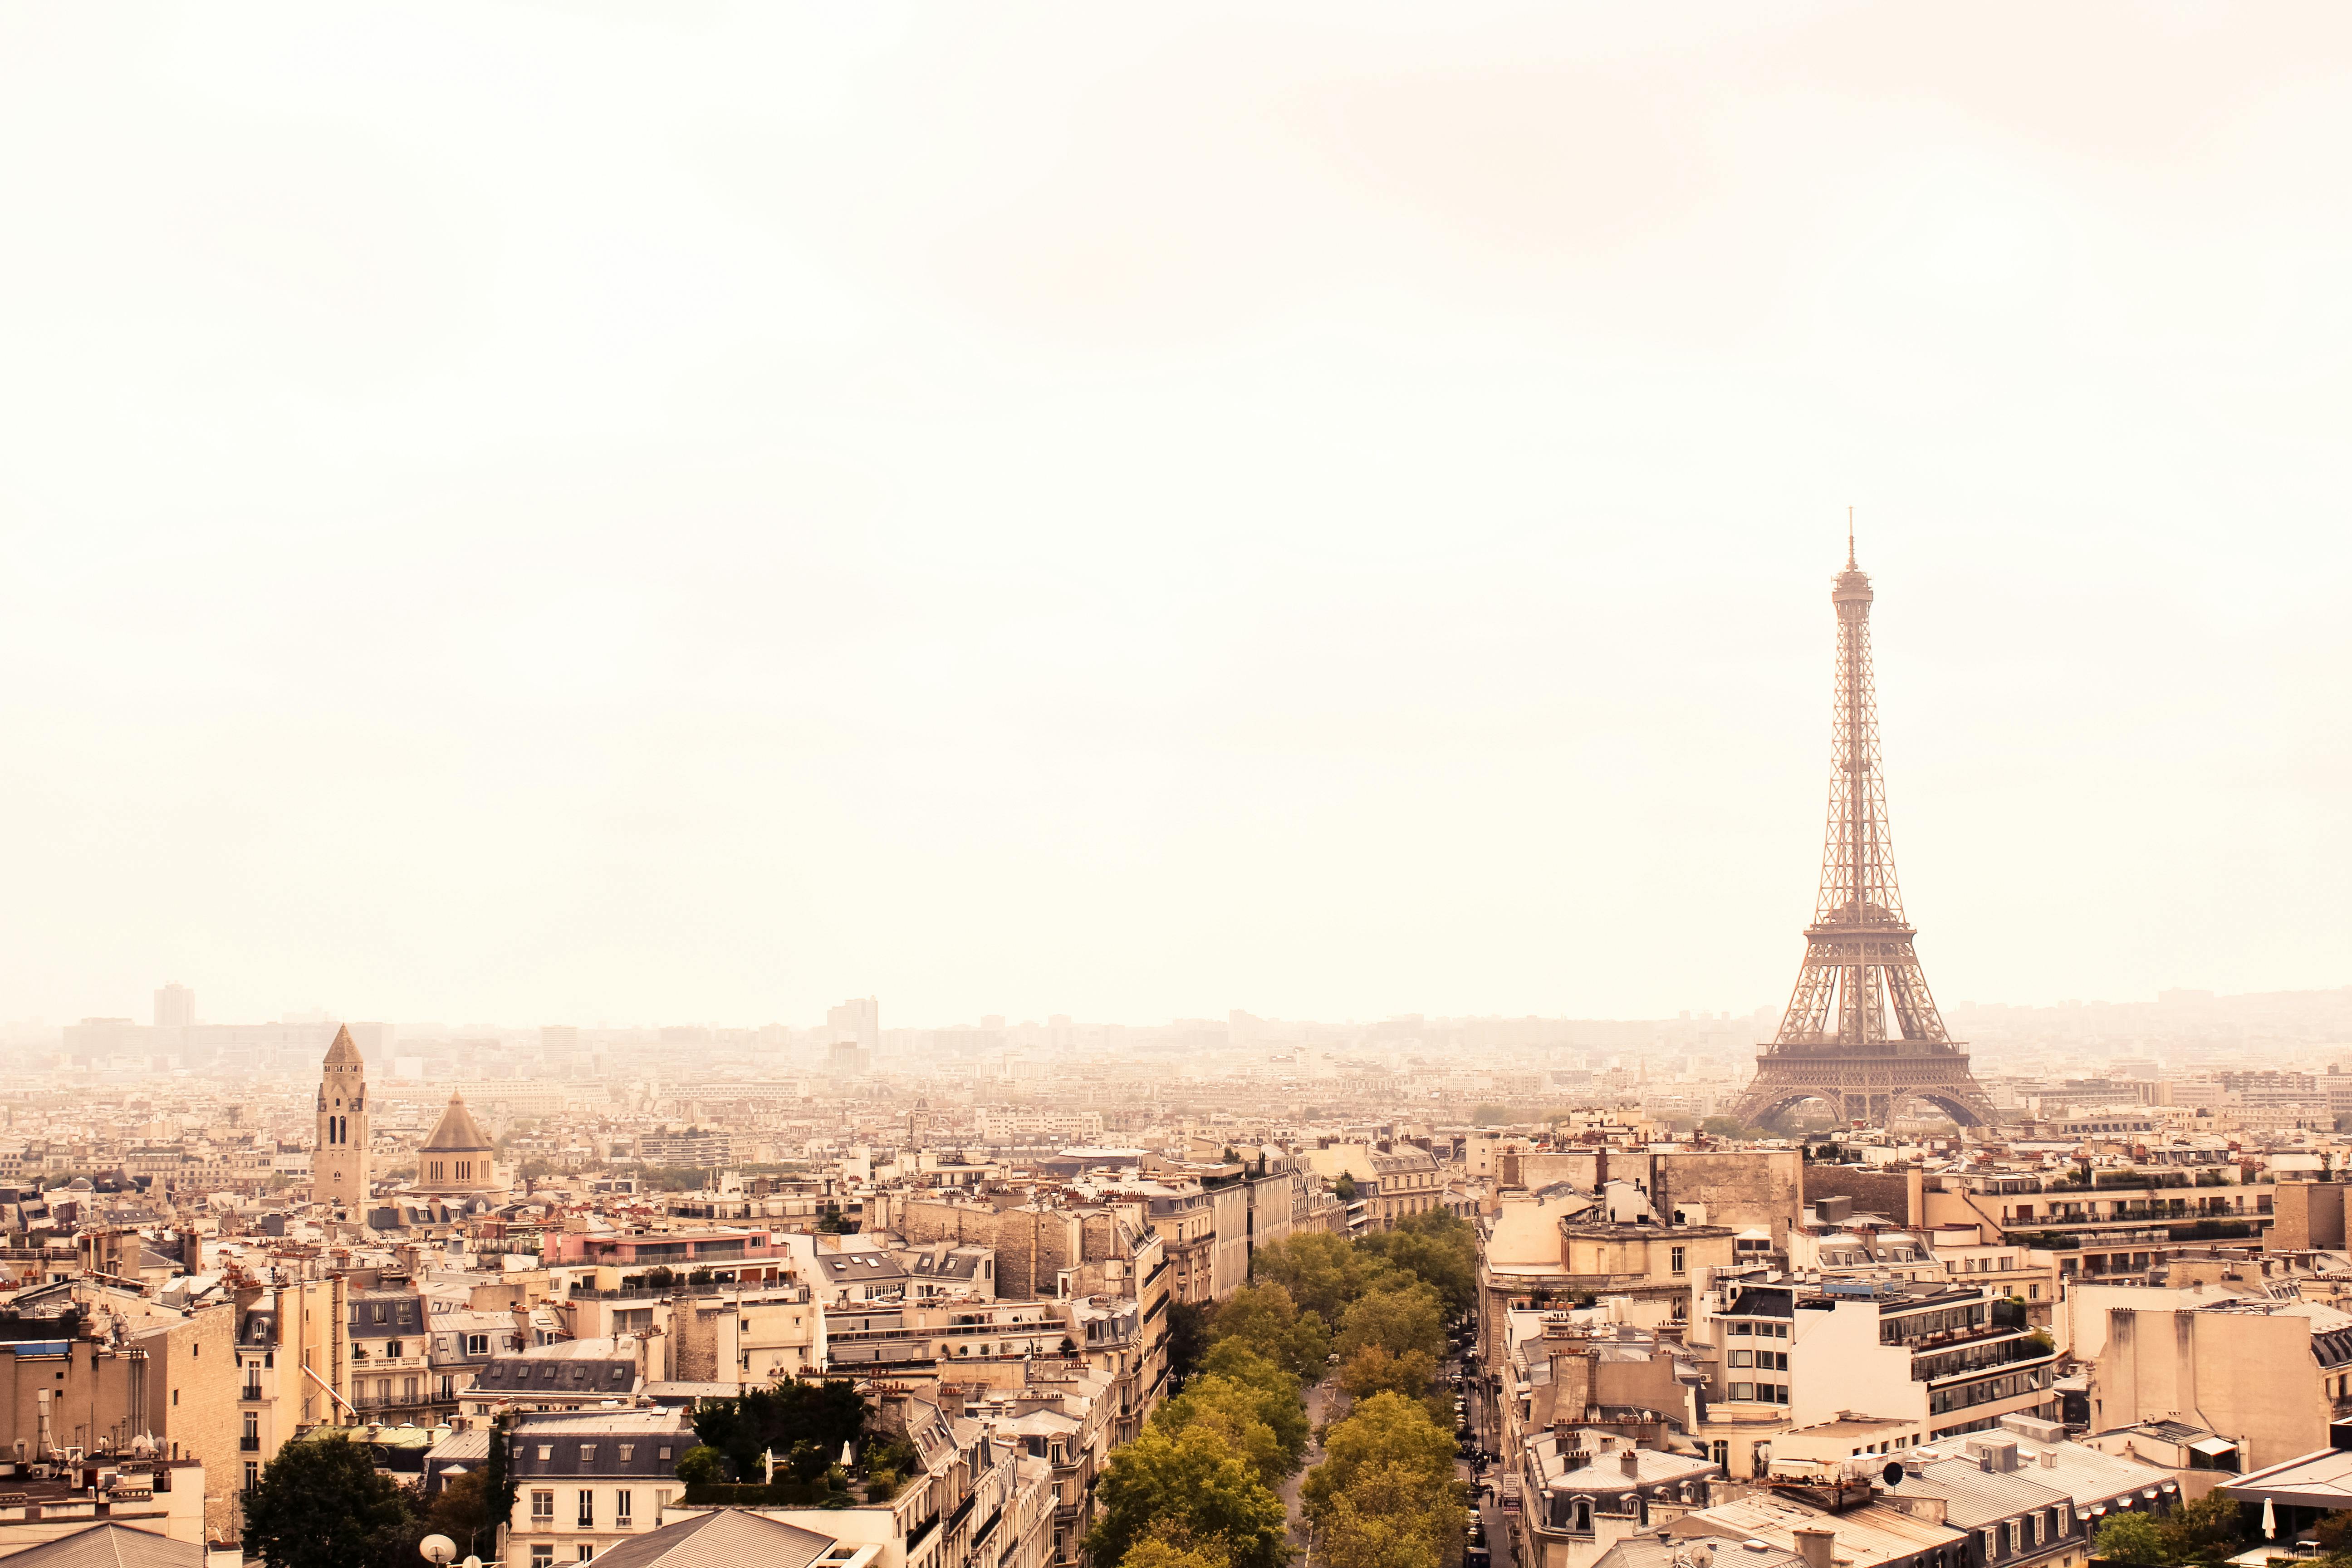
pixel 1893 1473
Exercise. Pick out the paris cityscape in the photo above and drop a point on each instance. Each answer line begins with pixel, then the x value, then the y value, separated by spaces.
pixel 737 543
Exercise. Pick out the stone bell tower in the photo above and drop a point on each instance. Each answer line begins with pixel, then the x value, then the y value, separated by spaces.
pixel 339 1160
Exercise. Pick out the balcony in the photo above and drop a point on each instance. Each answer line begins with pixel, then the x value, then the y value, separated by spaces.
pixel 1949 1337
pixel 2020 1351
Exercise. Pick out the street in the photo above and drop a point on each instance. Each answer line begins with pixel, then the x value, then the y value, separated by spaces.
pixel 1324 1403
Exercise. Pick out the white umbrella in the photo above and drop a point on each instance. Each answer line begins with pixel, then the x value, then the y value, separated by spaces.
pixel 2270 1522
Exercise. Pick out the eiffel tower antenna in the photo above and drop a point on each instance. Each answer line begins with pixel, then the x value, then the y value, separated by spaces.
pixel 1835 1042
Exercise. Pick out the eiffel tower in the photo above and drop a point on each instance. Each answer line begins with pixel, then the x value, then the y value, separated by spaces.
pixel 1860 968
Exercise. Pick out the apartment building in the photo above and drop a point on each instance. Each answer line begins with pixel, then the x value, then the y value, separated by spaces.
pixel 292 1345
pixel 2252 1372
pixel 391 1361
pixel 1924 1361
pixel 1063 1422
pixel 750 1335
pixel 571 1375
pixel 1585 1490
pixel 584 1483
pixel 2098 1224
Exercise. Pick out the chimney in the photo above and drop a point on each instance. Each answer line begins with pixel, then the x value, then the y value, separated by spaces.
pixel 1629 1462
pixel 1813 1546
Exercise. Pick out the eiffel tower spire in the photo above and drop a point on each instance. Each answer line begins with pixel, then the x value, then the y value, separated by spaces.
pixel 1861 972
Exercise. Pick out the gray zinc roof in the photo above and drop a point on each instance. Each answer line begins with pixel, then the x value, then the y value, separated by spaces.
pixel 724 1539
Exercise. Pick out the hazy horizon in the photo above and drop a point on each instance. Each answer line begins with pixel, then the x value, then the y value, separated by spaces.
pixel 552 512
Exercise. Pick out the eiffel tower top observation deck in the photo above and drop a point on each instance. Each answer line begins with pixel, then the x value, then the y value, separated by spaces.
pixel 1861 974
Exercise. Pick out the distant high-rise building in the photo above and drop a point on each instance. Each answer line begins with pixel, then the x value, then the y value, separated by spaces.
pixel 564 1038
pixel 858 1019
pixel 175 1006
pixel 339 1162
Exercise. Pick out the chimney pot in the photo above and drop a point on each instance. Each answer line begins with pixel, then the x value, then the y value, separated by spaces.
pixel 1629 1462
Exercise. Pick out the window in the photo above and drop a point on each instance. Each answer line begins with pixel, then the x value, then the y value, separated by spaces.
pixel 623 1502
pixel 587 1509
pixel 1675 1259
pixel 665 1451
pixel 378 1312
pixel 587 1453
pixel 477 1344
pixel 543 1504
pixel 546 1451
pixel 543 1557
pixel 252 1473
pixel 1739 1328
pixel 1743 1358
pixel 628 1450
pixel 1743 1391
pixel 391 1347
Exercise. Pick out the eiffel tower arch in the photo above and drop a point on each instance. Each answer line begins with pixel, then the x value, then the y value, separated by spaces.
pixel 1861 1032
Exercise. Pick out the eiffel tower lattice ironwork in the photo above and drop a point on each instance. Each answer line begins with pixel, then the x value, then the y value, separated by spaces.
pixel 1861 972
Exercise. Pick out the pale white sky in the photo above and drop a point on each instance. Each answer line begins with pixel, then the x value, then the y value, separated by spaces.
pixel 648 513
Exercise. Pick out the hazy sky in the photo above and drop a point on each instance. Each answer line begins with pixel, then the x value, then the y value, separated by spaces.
pixel 670 511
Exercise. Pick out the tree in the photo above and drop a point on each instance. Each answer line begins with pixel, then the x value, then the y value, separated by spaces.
pixel 1491 1115
pixel 1345 1188
pixel 1265 1319
pixel 1279 1404
pixel 808 1421
pixel 1187 1483
pixel 1321 1272
pixel 461 1511
pixel 1173 1549
pixel 1440 1249
pixel 2206 1530
pixel 1393 1516
pixel 2132 1538
pixel 1387 1428
pixel 701 1465
pixel 1399 1322
pixel 1188 1337
pixel 497 1471
pixel 2333 1533
pixel 1230 1410
pixel 321 1504
pixel 1373 1370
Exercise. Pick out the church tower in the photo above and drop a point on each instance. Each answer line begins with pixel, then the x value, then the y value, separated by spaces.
pixel 339 1160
